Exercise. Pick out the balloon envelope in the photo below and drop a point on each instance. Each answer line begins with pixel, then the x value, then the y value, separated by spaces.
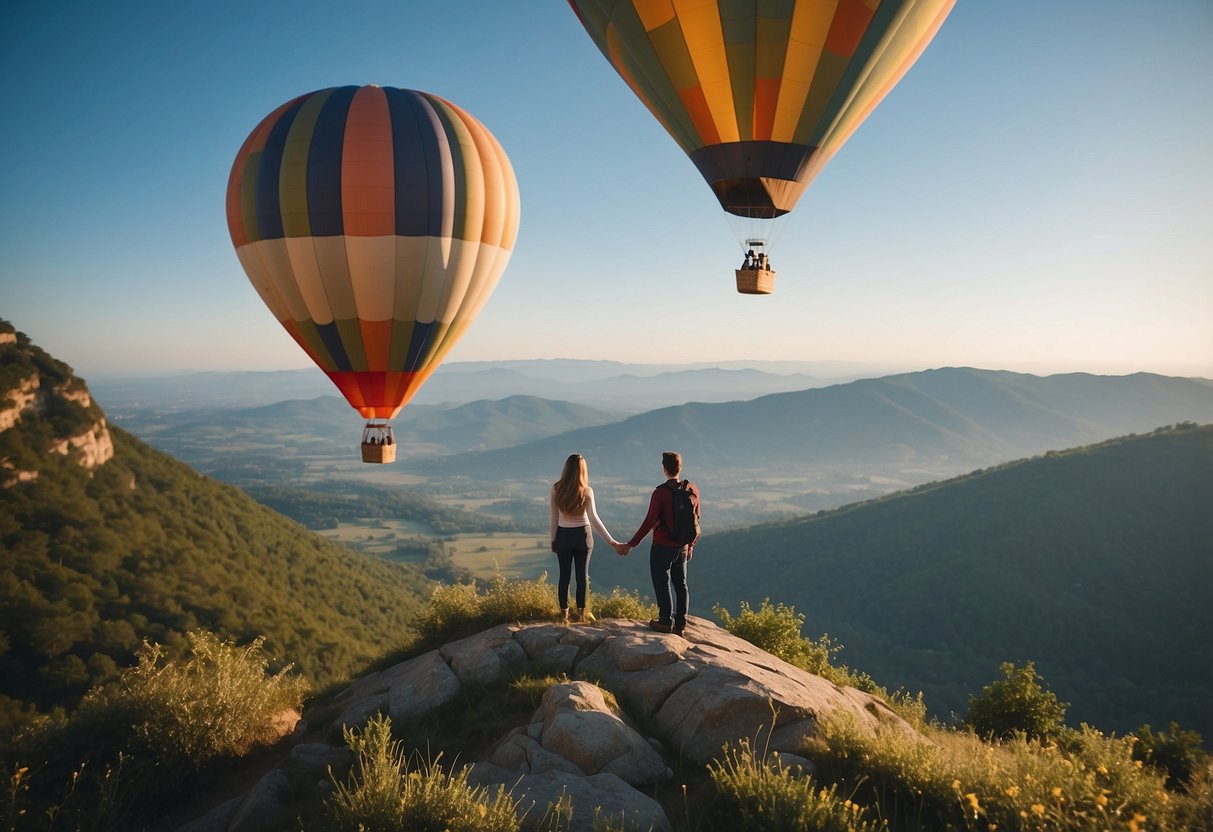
pixel 761 93
pixel 374 222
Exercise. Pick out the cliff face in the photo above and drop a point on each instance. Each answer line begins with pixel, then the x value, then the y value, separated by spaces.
pixel 44 409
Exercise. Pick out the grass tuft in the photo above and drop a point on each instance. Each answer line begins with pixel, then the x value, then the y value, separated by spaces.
pixel 753 793
pixel 386 791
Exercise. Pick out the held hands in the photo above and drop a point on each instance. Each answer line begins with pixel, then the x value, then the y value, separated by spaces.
pixel 622 549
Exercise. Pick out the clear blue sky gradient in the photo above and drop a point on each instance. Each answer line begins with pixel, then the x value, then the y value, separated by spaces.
pixel 1036 195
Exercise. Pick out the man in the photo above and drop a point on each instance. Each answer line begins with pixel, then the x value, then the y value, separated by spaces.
pixel 667 558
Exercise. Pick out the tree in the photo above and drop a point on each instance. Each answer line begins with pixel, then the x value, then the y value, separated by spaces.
pixel 1015 704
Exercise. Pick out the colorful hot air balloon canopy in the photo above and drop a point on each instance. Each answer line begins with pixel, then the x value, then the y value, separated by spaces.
pixel 761 93
pixel 374 222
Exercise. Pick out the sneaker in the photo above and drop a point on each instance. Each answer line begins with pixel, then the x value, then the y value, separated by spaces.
pixel 661 626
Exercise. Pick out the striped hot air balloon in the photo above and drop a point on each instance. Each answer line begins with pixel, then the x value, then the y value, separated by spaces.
pixel 374 222
pixel 761 93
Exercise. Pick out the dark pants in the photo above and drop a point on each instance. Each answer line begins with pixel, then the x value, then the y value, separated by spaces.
pixel 669 566
pixel 573 548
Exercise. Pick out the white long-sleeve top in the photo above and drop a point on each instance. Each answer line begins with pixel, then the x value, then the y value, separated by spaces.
pixel 589 517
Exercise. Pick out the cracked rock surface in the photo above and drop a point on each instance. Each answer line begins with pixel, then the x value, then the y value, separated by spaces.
pixel 693 693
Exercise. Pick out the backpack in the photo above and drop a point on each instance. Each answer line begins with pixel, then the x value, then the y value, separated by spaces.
pixel 684 522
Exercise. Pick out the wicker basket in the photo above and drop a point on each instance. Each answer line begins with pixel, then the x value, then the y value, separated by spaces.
pixel 378 453
pixel 755 281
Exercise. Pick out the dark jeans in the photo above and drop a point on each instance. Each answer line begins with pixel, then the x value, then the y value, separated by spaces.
pixel 669 566
pixel 573 547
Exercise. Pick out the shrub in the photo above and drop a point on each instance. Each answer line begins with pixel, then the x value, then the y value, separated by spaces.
pixel 621 604
pixel 125 750
pixel 776 629
pixel 1015 704
pixel 753 794
pixel 1194 807
pixel 385 792
pixel 1176 752
pixel 219 702
pixel 951 779
pixel 462 609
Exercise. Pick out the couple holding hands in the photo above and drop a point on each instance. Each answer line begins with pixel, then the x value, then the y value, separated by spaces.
pixel 574 519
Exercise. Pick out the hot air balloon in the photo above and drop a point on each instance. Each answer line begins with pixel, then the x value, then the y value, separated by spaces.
pixel 761 93
pixel 374 222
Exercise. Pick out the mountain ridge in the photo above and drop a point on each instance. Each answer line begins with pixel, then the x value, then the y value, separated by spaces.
pixel 100 557
pixel 1094 562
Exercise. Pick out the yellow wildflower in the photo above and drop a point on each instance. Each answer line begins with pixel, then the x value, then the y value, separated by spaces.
pixel 1103 769
pixel 1136 821
pixel 1038 808
pixel 1057 791
pixel 1102 800
pixel 955 785
pixel 1013 791
pixel 974 803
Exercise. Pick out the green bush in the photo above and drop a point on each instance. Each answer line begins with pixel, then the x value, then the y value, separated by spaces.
pixel 219 702
pixel 1016 704
pixel 754 794
pixel 125 750
pixel 944 779
pixel 621 604
pixel 385 792
pixel 1194 806
pixel 463 609
pixel 776 629
pixel 1176 752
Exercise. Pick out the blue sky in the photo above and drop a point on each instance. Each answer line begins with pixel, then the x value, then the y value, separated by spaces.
pixel 1036 195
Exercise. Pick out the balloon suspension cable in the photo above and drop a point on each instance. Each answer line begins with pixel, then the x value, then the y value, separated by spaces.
pixel 377 433
pixel 748 228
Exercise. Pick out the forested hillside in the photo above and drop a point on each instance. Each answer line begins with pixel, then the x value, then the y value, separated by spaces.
pixel 1095 563
pixel 96 559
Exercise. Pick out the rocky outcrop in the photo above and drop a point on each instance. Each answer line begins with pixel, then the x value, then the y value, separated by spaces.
pixel 19 400
pixel 694 693
pixel 698 691
pixel 93 448
pixel 32 397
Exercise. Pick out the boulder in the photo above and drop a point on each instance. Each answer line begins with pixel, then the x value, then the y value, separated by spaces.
pixel 604 793
pixel 426 683
pixel 265 805
pixel 485 657
pixel 216 820
pixel 698 692
pixel 578 725
pixel 320 756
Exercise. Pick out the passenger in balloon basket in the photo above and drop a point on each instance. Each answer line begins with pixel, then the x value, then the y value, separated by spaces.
pixel 673 518
pixel 574 519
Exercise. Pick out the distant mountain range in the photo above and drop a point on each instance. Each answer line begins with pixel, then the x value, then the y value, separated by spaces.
pixel 772 457
pixel 905 428
pixel 612 385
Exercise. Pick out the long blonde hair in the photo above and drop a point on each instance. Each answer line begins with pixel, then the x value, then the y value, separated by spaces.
pixel 572 489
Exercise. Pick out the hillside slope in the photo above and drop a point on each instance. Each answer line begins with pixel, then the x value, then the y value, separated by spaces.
pixel 1096 563
pixel 101 555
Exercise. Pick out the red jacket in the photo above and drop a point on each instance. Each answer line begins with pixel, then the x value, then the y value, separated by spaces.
pixel 660 516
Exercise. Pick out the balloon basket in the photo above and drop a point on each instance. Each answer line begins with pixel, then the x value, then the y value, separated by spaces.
pixel 378 444
pixel 755 281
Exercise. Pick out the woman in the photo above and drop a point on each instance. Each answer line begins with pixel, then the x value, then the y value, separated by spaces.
pixel 572 514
